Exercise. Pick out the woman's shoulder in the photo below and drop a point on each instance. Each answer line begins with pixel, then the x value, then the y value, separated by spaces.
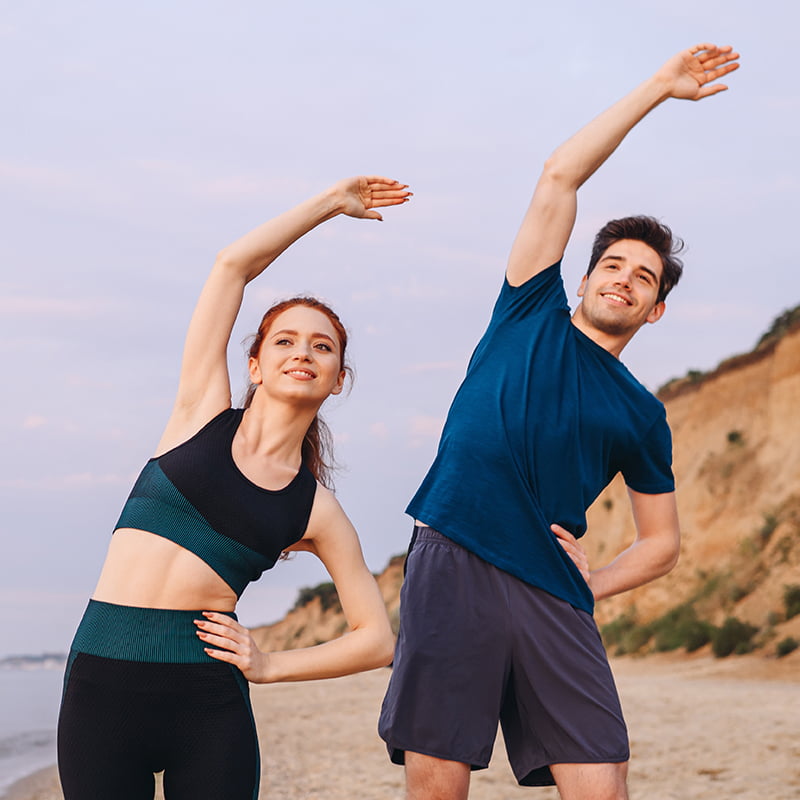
pixel 185 425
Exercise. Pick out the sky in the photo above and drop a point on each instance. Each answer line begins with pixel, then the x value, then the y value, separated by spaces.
pixel 140 140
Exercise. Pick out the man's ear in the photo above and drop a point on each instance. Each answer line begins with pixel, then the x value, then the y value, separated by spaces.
pixel 657 312
pixel 582 287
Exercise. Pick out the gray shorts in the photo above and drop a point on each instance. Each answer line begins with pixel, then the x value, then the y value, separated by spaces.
pixel 477 645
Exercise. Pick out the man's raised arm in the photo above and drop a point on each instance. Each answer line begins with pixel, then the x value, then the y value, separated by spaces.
pixel 548 222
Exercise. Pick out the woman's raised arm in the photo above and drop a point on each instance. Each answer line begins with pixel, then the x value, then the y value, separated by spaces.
pixel 204 386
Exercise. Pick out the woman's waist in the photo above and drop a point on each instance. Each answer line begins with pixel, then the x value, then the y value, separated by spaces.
pixel 148 571
pixel 136 633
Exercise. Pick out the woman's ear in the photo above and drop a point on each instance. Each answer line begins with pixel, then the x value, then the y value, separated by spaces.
pixel 337 389
pixel 254 370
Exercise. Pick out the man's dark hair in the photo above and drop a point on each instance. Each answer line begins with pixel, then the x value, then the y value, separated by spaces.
pixel 654 234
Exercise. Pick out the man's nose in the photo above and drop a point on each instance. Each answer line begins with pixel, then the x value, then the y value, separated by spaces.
pixel 625 278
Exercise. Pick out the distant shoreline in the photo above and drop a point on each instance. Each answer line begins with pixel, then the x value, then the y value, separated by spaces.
pixel 42 784
pixel 41 661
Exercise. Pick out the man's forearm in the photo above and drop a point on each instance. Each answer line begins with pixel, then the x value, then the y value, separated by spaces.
pixel 642 562
pixel 581 155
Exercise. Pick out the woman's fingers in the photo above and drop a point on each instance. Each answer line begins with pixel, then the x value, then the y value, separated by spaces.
pixel 236 645
pixel 221 630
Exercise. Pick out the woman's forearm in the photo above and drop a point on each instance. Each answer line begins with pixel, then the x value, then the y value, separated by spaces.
pixel 250 255
pixel 356 651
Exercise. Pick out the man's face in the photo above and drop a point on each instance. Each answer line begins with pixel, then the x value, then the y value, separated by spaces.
pixel 620 294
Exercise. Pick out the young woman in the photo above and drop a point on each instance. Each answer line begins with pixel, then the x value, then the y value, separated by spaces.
pixel 157 676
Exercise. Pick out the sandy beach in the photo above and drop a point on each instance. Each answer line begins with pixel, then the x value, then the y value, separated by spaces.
pixel 700 728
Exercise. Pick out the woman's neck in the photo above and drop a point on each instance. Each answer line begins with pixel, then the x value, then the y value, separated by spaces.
pixel 274 430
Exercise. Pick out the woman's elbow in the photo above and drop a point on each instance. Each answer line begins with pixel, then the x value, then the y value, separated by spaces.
pixel 381 646
pixel 226 260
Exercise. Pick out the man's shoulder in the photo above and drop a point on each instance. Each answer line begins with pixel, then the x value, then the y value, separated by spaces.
pixel 543 291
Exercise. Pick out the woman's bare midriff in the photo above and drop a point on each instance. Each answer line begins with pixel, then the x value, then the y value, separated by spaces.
pixel 149 571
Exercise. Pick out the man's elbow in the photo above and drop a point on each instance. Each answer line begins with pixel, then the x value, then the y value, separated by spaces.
pixel 558 173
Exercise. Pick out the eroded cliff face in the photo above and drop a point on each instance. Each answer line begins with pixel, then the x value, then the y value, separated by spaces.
pixel 736 435
pixel 736 444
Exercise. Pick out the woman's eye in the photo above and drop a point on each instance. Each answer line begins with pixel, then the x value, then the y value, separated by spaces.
pixel 323 346
pixel 283 341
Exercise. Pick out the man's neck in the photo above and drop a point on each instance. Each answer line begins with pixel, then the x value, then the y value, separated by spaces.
pixel 614 343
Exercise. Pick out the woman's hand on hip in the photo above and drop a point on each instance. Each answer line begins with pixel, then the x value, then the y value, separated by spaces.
pixel 227 640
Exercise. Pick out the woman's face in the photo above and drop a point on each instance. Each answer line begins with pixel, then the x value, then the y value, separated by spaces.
pixel 300 357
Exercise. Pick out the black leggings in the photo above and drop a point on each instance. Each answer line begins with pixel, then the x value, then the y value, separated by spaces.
pixel 122 719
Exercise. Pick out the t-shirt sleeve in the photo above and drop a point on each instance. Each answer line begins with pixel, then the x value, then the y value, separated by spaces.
pixel 648 468
pixel 544 291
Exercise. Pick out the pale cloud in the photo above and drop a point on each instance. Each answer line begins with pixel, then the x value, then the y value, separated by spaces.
pixel 54 306
pixel 88 382
pixel 36 176
pixel 33 421
pixel 341 437
pixel 417 291
pixel 266 295
pixel 432 366
pixel 426 427
pixel 366 296
pixel 18 597
pixel 712 312
pixel 789 103
pixel 379 430
pixel 82 480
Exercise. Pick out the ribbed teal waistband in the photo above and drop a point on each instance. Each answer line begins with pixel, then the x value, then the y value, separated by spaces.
pixel 129 633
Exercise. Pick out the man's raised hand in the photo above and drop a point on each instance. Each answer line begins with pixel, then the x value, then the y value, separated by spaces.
pixel 690 74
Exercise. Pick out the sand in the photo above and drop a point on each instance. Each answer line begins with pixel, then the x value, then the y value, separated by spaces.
pixel 700 728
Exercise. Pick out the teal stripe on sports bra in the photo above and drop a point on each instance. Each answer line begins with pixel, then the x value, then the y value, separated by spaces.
pixel 157 506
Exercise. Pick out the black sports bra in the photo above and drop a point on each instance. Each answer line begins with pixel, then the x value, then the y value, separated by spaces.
pixel 196 496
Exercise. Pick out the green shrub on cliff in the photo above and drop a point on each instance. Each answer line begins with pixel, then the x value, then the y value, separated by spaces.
pixel 786 646
pixel 734 636
pixel 680 627
pixel 791 599
pixel 326 592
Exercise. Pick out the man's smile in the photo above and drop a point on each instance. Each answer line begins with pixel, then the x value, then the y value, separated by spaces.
pixel 615 297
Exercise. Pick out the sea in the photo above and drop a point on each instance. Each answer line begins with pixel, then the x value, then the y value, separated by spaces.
pixel 30 693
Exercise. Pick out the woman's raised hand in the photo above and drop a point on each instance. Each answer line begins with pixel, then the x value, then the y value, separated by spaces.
pixel 690 73
pixel 362 195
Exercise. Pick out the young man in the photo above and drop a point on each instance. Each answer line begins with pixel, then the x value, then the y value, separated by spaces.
pixel 496 609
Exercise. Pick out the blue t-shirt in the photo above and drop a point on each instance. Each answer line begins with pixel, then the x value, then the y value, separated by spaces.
pixel 542 422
